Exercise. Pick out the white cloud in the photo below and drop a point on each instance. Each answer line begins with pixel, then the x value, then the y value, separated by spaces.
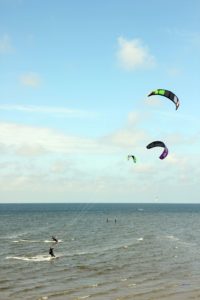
pixel 130 135
pixel 173 159
pixel 29 140
pixel 125 138
pixel 145 169
pixel 89 168
pixel 133 118
pixel 153 101
pixel 175 72
pixel 45 110
pixel 30 79
pixel 132 54
pixel 5 44
pixel 30 150
pixel 60 167
pixel 180 139
pixel 191 38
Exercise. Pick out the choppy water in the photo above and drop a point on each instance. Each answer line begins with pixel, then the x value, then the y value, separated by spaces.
pixel 151 252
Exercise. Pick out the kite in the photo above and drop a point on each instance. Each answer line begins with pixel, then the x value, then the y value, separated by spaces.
pixel 166 94
pixel 159 144
pixel 133 157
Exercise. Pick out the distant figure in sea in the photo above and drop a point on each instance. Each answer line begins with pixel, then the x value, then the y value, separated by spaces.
pixel 51 252
pixel 115 221
pixel 54 239
pixel 107 220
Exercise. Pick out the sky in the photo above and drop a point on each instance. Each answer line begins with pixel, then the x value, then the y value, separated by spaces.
pixel 74 80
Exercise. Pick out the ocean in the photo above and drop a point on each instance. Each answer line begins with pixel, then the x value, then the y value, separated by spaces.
pixel 105 251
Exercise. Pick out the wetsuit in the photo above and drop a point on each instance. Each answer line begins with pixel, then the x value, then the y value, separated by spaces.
pixel 54 239
pixel 51 252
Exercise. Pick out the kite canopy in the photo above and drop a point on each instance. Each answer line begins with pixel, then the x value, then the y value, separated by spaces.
pixel 133 157
pixel 159 144
pixel 166 94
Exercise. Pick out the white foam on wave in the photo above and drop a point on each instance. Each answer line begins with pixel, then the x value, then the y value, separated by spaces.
pixel 34 241
pixel 51 241
pixel 172 237
pixel 140 239
pixel 37 258
pixel 131 284
pixel 26 241
pixel 140 209
pixel 12 236
pixel 81 253
pixel 124 279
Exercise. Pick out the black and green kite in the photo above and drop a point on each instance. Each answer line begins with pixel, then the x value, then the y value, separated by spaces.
pixel 166 94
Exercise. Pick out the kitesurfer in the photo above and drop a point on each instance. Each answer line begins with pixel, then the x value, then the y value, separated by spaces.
pixel 51 252
pixel 54 239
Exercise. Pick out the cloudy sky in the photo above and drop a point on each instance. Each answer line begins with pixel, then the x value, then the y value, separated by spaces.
pixel 74 80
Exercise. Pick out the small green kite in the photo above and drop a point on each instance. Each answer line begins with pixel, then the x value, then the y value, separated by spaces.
pixel 133 157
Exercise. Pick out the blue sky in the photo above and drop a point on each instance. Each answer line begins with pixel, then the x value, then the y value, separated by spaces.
pixel 74 80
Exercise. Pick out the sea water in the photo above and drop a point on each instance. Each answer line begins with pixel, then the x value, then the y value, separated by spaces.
pixel 105 251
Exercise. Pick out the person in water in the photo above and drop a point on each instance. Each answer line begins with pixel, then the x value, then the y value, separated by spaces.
pixel 54 239
pixel 51 252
